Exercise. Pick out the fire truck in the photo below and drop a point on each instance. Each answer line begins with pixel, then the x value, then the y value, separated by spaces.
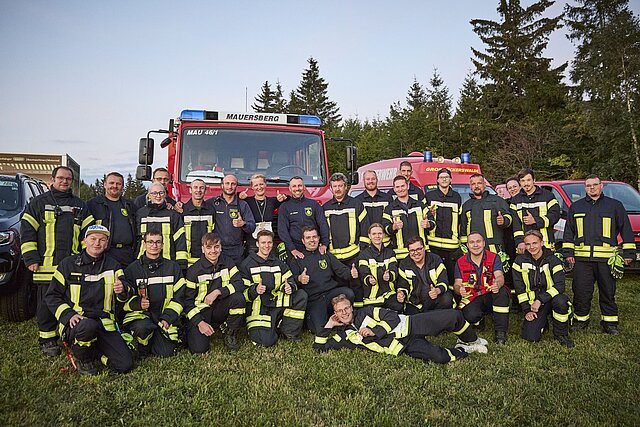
pixel 211 144
pixel 425 172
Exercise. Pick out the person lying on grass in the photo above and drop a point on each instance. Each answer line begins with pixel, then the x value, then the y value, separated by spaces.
pixel 385 331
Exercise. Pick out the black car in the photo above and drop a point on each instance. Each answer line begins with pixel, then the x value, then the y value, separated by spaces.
pixel 17 292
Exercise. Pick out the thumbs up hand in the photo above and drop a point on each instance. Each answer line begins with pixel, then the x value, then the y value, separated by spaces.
pixel 500 218
pixel 528 219
pixel 281 197
pixel 238 222
pixel 261 289
pixel 243 195
pixel 434 292
pixel 304 277
pixel 354 271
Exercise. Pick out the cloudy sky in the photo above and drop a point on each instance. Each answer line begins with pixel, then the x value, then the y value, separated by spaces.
pixel 90 78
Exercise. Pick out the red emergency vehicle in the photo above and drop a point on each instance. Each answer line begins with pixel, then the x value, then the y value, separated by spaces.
pixel 210 144
pixel 425 172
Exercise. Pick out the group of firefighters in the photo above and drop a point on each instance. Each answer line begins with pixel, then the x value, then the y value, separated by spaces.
pixel 381 270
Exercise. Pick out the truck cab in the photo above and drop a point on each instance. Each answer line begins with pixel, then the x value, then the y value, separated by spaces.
pixel 208 145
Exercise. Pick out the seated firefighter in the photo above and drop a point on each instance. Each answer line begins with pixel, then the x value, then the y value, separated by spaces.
pixel 538 277
pixel 81 297
pixel 385 331
pixel 317 275
pixel 277 305
pixel 214 297
pixel 480 283
pixel 153 311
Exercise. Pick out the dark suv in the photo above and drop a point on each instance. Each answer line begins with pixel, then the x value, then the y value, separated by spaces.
pixel 17 292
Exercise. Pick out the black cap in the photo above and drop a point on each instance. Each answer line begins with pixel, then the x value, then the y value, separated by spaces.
pixel 444 170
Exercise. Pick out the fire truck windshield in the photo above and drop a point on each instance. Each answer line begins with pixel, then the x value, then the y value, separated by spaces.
pixel 210 153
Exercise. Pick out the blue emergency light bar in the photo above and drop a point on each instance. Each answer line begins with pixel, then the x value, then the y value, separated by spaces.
pixel 263 118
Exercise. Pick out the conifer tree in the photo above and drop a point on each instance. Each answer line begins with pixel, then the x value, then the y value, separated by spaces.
pixel 264 102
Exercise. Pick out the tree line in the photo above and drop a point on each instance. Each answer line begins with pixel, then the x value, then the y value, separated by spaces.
pixel 514 109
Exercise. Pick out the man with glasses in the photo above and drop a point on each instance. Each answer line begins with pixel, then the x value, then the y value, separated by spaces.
pixel 162 176
pixel 385 331
pixel 214 297
pixel 591 244
pixel 153 311
pixel 157 217
pixel 423 283
pixel 52 227
pixel 445 204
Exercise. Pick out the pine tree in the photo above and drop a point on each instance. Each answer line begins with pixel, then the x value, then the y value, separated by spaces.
pixel 86 192
pixel 264 102
pixel 606 71
pixel 310 97
pixel 416 98
pixel 279 102
pixel 133 188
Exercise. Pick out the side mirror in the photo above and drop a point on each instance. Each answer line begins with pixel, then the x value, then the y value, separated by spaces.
pixel 145 151
pixel 353 177
pixel 351 158
pixel 143 173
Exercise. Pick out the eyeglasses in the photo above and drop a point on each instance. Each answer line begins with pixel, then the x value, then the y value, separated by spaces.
pixel 153 242
pixel 416 251
pixel 63 178
pixel 344 310
pixel 157 193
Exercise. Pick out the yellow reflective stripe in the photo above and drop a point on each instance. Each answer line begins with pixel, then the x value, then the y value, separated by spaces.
pixel 50 238
pixel 257 324
pixel 488 224
pixel 59 277
pixel 87 221
pixel 74 291
pixel 236 311
pixel 321 340
pixel 498 309
pixel 628 246
pixel 32 221
pixel 75 240
pixel 109 324
pixel 47 334
pixel 580 227
pixel 561 317
pixel 187 234
pixel 461 330
pixel 294 314
pixel 175 307
pixel 61 308
pixel 606 227
pixel 609 318
pixel 581 318
pixel 523 297
pixel 395 348
pixel 144 340
pixel 178 233
pixel 166 240
pixel 451 356
pixel 84 343
pixel 568 245
pixel 28 247
pixel 556 269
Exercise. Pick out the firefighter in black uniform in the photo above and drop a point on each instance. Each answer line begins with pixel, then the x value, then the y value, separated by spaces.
pixel 317 275
pixel 385 331
pixel 199 219
pixel 296 213
pixel 535 208
pixel 276 303
pixel 51 229
pixel 445 204
pixel 347 220
pixel 153 311
pixel 374 200
pixel 405 218
pixel 415 192
pixel 214 296
pixel 81 295
pixel 117 214
pixel 262 207
pixel 480 283
pixel 378 272
pixel 423 283
pixel 156 216
pixel 487 214
pixel 591 243
pixel 538 276
pixel 234 220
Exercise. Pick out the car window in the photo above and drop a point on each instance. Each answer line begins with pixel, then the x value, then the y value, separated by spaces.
pixel 558 196
pixel 30 190
pixel 9 197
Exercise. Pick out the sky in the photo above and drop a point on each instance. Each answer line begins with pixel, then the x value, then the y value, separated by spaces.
pixel 89 78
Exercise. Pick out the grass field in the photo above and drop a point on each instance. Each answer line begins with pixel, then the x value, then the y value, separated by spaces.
pixel 597 383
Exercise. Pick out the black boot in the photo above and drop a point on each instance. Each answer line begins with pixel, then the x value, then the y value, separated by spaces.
pixel 566 341
pixel 87 367
pixel 231 341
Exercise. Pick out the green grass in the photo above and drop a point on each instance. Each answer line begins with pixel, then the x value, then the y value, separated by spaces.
pixel 597 383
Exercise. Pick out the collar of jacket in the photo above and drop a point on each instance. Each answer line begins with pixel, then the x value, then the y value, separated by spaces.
pixel 86 259
pixel 485 193
pixel 157 207
pixel 61 194
pixel 546 253
pixel 536 190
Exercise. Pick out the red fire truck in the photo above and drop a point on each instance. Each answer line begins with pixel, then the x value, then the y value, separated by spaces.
pixel 210 144
pixel 425 171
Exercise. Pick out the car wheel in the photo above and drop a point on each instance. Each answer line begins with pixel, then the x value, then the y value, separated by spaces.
pixel 20 304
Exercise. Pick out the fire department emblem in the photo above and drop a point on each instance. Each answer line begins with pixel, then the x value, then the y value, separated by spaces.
pixel 124 212
pixel 233 213
pixel 323 264
pixel 308 211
